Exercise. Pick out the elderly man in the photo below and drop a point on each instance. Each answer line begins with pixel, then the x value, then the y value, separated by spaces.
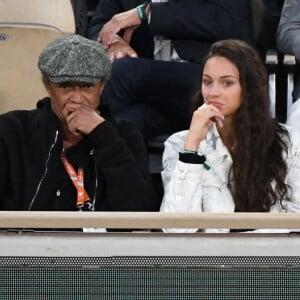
pixel 66 154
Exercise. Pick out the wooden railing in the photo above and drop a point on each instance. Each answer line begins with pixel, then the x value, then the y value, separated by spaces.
pixel 150 220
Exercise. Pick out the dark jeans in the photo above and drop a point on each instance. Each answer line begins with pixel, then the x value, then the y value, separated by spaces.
pixel 156 95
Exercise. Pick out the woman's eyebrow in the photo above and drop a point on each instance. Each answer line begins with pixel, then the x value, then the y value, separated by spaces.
pixel 223 76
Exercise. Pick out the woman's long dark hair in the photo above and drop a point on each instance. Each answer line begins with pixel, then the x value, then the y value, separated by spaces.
pixel 259 168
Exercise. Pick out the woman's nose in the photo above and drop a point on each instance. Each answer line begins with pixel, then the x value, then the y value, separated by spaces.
pixel 215 89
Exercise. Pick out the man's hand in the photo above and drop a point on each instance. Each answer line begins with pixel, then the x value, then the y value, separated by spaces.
pixel 81 118
pixel 126 20
pixel 120 48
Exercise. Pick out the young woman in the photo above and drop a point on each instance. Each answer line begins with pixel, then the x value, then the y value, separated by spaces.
pixel 234 157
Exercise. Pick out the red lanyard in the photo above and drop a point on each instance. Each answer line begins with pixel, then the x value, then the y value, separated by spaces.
pixel 78 181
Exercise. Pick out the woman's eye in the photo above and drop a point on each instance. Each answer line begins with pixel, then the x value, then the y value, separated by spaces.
pixel 228 83
pixel 206 81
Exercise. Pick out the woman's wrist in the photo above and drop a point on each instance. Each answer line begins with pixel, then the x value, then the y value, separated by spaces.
pixel 191 145
pixel 192 142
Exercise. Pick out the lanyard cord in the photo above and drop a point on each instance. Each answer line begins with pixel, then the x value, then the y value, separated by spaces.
pixel 78 181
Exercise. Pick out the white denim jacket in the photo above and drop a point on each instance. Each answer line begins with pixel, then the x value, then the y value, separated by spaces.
pixel 193 188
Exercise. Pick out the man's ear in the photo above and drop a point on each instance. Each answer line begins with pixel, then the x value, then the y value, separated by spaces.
pixel 47 86
pixel 102 87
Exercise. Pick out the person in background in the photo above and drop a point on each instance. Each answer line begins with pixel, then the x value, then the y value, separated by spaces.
pixel 66 154
pixel 161 44
pixel 234 157
pixel 288 42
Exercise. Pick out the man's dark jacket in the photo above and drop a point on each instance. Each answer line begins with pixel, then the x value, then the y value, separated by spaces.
pixel 32 176
pixel 192 25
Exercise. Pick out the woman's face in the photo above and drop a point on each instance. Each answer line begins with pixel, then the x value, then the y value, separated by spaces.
pixel 221 85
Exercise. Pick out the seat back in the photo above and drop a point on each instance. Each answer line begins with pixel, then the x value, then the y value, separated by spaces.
pixel 56 13
pixel 20 46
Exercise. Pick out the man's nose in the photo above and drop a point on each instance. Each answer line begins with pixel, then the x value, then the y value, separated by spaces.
pixel 76 97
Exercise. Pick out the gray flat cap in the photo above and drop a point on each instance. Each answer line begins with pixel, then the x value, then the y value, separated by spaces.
pixel 74 58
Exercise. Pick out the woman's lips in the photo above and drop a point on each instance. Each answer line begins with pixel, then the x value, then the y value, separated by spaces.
pixel 217 104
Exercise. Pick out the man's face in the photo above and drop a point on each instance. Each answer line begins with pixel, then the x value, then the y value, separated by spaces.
pixel 65 96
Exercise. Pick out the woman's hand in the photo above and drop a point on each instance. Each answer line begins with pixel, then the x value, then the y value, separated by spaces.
pixel 202 120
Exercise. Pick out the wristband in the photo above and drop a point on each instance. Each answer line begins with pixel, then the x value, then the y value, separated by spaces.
pixel 192 157
pixel 139 12
pixel 189 151
pixel 143 12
